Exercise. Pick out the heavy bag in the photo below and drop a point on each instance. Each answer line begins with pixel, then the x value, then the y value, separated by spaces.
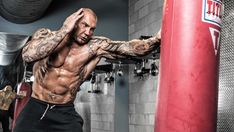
pixel 189 63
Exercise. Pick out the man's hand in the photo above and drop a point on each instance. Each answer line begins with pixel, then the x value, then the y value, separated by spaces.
pixel 158 35
pixel 70 21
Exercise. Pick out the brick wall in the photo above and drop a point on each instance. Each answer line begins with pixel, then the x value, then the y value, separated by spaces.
pixel 102 109
pixel 82 105
pixel 142 95
pixel 144 19
pixel 97 109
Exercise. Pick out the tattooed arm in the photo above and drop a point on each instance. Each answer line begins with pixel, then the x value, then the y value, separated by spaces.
pixel 44 42
pixel 122 49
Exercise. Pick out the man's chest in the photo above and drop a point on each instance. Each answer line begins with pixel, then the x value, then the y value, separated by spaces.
pixel 79 56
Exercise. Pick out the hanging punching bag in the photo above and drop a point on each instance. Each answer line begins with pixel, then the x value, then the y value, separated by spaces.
pixel 188 80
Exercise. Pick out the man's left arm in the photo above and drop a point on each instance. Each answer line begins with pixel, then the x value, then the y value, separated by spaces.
pixel 123 49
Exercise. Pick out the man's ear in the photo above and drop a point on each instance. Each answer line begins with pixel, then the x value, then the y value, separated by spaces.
pixel 75 28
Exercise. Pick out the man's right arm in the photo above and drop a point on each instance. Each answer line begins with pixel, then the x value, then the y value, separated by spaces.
pixel 43 43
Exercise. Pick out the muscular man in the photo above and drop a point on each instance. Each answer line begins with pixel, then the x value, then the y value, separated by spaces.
pixel 63 60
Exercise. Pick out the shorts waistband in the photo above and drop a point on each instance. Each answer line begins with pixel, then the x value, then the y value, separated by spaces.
pixel 48 103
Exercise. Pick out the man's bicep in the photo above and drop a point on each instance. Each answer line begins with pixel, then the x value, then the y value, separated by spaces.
pixel 30 51
pixel 37 46
pixel 105 48
pixel 110 55
pixel 42 33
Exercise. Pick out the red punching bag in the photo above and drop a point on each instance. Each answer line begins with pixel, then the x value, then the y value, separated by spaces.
pixel 189 62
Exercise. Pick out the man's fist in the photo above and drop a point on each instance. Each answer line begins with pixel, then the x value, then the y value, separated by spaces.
pixel 158 35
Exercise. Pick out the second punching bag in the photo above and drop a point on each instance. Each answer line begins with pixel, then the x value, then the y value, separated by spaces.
pixel 188 80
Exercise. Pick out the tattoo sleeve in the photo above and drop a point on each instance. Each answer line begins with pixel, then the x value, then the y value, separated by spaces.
pixel 43 43
pixel 122 49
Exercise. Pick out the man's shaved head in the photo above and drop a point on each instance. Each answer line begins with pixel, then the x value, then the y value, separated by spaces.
pixel 90 11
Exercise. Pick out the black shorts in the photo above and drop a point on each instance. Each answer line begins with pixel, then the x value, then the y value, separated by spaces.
pixel 39 116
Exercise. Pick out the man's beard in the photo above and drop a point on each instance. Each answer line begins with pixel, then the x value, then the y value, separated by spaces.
pixel 80 41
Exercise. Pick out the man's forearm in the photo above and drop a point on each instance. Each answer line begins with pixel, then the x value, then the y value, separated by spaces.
pixel 143 47
pixel 123 49
pixel 134 47
pixel 43 43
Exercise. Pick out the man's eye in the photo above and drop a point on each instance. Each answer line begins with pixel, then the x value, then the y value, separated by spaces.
pixel 86 25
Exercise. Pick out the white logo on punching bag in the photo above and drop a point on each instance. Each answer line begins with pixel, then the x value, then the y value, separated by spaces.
pixel 212 11
pixel 215 35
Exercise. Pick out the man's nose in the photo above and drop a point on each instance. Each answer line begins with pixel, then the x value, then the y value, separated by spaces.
pixel 88 32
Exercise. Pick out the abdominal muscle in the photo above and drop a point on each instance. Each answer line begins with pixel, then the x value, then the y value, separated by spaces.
pixel 57 86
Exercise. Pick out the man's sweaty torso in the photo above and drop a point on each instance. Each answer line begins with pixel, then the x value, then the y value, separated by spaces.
pixel 59 76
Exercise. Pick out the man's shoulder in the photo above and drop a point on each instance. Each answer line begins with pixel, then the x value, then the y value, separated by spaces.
pixel 41 33
pixel 99 38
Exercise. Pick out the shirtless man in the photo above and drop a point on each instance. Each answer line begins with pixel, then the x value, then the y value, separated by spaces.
pixel 63 60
